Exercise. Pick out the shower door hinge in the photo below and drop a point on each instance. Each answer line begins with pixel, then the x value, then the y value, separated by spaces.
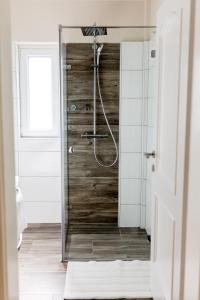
pixel 67 67
pixel 153 53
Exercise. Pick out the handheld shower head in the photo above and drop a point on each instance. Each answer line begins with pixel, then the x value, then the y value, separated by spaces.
pixel 99 49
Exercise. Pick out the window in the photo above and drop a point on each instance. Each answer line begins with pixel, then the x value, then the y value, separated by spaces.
pixel 39 92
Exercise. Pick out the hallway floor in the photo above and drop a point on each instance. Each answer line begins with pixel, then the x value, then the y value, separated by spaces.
pixel 41 274
pixel 107 242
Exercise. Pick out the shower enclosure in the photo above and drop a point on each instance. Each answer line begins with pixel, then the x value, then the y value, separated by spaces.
pixel 107 127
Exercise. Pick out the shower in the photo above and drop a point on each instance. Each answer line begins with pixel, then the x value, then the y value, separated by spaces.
pixel 96 31
pixel 105 133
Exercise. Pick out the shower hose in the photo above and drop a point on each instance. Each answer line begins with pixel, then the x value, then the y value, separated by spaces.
pixel 109 128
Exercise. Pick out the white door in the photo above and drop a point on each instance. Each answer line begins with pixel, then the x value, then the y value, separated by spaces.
pixel 168 181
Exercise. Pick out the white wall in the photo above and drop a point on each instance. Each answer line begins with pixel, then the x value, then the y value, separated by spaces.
pixel 154 6
pixel 36 20
pixel 38 165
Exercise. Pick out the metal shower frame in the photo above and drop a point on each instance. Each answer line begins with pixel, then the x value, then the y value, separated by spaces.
pixel 64 193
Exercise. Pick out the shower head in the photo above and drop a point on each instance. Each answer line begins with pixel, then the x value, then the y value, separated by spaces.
pixel 94 31
pixel 99 49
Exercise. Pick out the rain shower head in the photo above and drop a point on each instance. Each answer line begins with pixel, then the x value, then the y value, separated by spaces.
pixel 94 31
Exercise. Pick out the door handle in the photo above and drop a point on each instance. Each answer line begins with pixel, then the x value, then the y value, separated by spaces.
pixel 150 154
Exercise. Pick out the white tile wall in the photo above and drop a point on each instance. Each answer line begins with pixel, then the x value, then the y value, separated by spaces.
pixel 131 84
pixel 132 56
pixel 151 83
pixel 145 83
pixel 136 118
pixel 39 164
pixel 131 120
pixel 130 191
pixel 131 112
pixel 43 212
pixel 41 189
pixel 130 165
pixel 131 139
pixel 143 216
pixel 145 55
pixel 129 215
pixel 148 207
pixel 39 144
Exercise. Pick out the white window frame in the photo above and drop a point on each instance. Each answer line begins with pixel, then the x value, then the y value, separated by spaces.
pixel 24 51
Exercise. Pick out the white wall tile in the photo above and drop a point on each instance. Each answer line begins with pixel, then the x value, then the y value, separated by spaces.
pixel 144 138
pixel 39 163
pixel 131 84
pixel 130 216
pixel 148 207
pixel 43 212
pixel 41 189
pixel 145 83
pixel 143 192
pixel 150 139
pixel 131 138
pixel 132 55
pixel 151 83
pixel 145 112
pixel 144 167
pixel 39 144
pixel 143 217
pixel 130 166
pixel 130 191
pixel 151 112
pixel 146 55
pixel 131 112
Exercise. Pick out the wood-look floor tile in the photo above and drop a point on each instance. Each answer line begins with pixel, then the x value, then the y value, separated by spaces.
pixel 125 244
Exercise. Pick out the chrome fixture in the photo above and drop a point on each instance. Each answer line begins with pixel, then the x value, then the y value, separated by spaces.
pixel 96 31
pixel 67 67
pixel 150 154
pixel 73 107
pixel 73 149
pixel 99 49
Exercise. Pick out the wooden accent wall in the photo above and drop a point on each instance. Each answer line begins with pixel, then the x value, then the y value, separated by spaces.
pixel 92 190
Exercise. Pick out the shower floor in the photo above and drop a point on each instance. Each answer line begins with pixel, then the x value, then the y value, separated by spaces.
pixel 98 242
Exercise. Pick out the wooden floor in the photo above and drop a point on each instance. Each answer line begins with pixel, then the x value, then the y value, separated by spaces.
pixel 41 273
pixel 107 242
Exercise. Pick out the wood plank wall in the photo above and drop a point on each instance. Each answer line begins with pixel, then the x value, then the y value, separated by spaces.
pixel 92 190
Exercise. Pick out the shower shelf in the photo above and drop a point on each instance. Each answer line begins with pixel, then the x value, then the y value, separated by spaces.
pixel 94 136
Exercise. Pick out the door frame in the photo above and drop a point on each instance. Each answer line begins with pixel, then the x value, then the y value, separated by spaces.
pixel 8 231
pixel 8 252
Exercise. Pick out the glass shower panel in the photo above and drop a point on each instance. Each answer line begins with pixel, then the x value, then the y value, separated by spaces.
pixel 104 207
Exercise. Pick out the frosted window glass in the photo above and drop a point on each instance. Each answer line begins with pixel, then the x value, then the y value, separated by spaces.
pixel 40 93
